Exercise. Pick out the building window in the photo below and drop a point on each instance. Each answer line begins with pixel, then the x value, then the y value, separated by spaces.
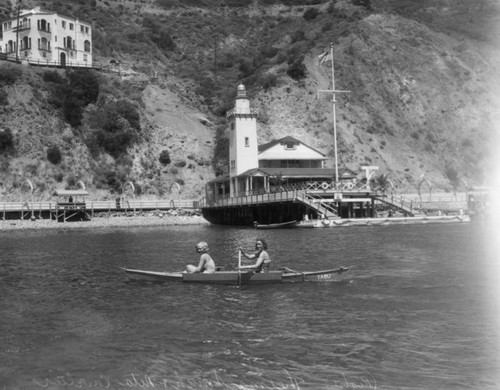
pixel 247 142
pixel 86 30
pixel 82 29
pixel 71 26
pixel 85 57
pixel 63 24
pixel 289 145
pixel 86 46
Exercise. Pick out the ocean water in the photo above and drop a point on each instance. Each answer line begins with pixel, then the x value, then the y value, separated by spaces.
pixel 419 309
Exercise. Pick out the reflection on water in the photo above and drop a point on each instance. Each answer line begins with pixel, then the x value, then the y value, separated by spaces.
pixel 417 311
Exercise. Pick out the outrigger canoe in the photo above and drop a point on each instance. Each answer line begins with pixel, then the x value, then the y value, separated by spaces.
pixel 286 275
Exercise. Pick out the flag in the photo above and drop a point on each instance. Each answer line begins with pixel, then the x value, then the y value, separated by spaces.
pixel 326 56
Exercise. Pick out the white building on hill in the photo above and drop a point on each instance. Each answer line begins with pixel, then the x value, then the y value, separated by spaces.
pixel 46 38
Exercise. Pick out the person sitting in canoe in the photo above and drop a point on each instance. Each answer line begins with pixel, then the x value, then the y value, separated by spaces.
pixel 263 261
pixel 206 264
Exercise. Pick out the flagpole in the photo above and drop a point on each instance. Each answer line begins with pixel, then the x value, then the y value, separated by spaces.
pixel 329 57
pixel 334 118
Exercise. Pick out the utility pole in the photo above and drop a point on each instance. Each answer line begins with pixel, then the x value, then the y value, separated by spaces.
pixel 323 58
pixel 215 56
pixel 17 31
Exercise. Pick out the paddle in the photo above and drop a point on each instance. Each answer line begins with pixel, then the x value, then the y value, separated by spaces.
pixel 239 265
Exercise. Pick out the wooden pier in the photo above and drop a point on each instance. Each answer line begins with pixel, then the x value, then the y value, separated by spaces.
pixel 290 204
pixel 62 211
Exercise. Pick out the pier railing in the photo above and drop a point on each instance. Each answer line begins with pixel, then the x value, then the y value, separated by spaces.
pixel 36 208
pixel 414 203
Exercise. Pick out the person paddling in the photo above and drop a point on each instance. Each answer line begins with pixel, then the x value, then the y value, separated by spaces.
pixel 263 262
pixel 206 264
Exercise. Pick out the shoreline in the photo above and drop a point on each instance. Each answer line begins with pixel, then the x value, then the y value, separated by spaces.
pixel 108 221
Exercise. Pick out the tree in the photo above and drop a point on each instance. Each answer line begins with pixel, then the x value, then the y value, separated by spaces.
pixel 164 157
pixel 296 70
pixel 54 155
pixel 311 14
pixel 454 178
pixel 381 182
pixel 6 139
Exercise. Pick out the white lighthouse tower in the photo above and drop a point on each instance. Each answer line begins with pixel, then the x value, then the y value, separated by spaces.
pixel 243 148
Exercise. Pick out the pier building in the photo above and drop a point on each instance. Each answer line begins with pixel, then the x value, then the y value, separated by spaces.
pixel 281 180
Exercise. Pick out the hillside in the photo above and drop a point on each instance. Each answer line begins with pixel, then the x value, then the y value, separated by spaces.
pixel 424 101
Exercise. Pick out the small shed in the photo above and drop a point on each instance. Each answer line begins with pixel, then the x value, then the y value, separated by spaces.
pixel 71 206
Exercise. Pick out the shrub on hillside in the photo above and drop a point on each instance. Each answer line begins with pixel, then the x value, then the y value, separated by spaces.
pixel 157 33
pixel 116 136
pixel 72 110
pixel 128 110
pixel 9 74
pixel 268 51
pixel 84 85
pixel 296 70
pixel 52 76
pixel 269 80
pixel 73 93
pixel 4 101
pixel 54 155
pixel 246 67
pixel 180 163
pixel 112 177
pixel 164 157
pixel 117 127
pixel 298 35
pixel 363 3
pixel 165 41
pixel 6 139
pixel 236 3
pixel 310 14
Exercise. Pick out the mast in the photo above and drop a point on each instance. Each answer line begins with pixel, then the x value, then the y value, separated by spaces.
pixel 334 116
pixel 324 58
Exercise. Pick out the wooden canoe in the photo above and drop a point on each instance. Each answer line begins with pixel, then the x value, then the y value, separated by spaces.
pixel 286 275
pixel 281 225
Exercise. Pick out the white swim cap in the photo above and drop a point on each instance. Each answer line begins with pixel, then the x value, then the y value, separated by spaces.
pixel 203 246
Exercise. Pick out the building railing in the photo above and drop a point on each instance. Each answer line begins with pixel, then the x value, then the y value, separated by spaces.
pixel 345 186
pixel 313 187
pixel 283 196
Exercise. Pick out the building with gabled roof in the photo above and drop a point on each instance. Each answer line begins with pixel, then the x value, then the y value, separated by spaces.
pixel 257 168
pixel 274 181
